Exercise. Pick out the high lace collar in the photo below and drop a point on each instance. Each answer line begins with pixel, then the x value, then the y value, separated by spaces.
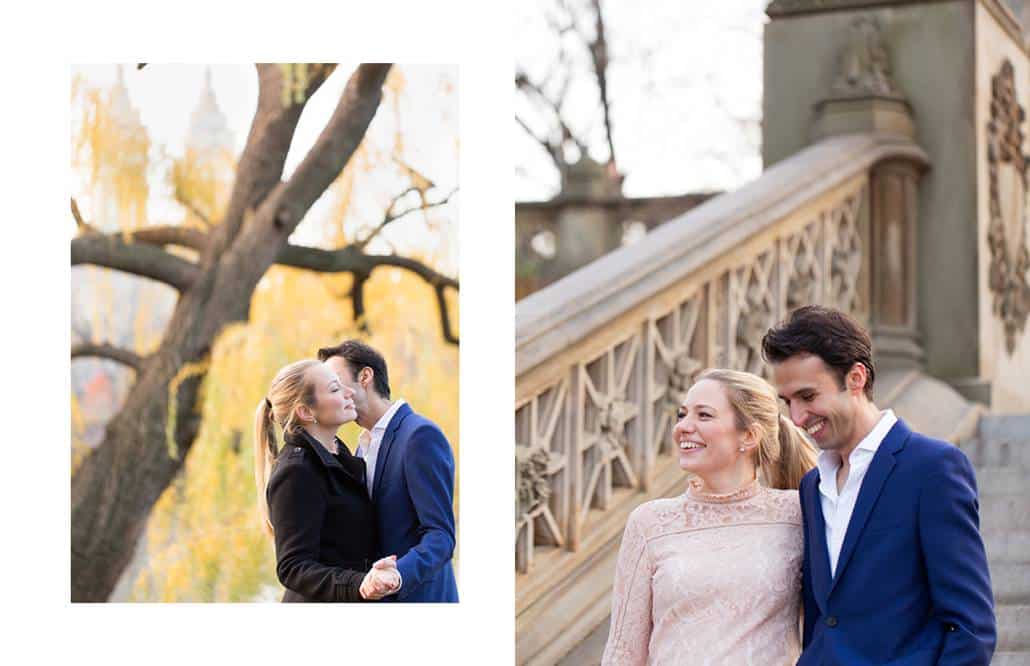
pixel 746 492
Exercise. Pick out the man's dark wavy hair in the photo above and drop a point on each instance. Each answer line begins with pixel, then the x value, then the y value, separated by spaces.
pixel 358 355
pixel 830 334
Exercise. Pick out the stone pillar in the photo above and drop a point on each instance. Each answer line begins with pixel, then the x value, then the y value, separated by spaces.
pixel 587 227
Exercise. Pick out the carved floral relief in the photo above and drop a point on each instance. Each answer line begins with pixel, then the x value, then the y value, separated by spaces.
pixel 1007 167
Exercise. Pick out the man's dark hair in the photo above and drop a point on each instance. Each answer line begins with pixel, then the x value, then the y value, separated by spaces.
pixel 358 355
pixel 833 336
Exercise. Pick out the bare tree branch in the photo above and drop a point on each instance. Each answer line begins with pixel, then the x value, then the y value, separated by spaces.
pixel 598 48
pixel 123 356
pixel 170 235
pixel 111 251
pixel 445 320
pixel 351 259
pixel 534 91
pixel 357 299
pixel 393 217
pixel 79 222
pixel 552 150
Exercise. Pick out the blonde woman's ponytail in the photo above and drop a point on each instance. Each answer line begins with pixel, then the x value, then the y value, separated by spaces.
pixel 797 456
pixel 289 389
pixel 265 450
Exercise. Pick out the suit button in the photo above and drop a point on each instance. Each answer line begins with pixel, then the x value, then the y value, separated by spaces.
pixel 952 627
pixel 831 621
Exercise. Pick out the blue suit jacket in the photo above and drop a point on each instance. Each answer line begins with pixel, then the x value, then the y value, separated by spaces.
pixel 912 585
pixel 413 493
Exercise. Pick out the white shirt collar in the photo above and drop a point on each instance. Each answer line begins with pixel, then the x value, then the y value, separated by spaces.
pixel 829 461
pixel 385 419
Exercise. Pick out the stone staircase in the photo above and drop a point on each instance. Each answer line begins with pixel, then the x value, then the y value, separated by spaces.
pixel 1000 452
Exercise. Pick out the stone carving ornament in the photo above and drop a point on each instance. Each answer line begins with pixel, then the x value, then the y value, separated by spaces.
pixel 612 423
pixel 532 481
pixel 865 66
pixel 681 377
pixel 1007 167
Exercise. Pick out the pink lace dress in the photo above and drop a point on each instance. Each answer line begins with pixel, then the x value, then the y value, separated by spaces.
pixel 709 579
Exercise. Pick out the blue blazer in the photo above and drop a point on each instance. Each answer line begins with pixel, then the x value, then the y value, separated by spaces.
pixel 413 493
pixel 912 585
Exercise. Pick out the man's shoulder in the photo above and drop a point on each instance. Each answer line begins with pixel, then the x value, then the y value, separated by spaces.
pixel 416 423
pixel 925 448
pixel 930 455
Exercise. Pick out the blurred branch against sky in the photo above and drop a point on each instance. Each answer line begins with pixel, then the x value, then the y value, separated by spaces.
pixel 685 90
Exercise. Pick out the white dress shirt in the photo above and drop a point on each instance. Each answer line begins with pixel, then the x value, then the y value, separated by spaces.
pixel 838 507
pixel 368 443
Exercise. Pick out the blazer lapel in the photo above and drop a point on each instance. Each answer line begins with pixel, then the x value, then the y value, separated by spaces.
pixel 818 550
pixel 879 469
pixel 387 445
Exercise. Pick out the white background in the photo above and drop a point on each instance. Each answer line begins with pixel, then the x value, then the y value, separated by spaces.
pixel 40 624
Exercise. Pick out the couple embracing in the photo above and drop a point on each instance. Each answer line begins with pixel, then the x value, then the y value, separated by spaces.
pixel 365 527
pixel 871 544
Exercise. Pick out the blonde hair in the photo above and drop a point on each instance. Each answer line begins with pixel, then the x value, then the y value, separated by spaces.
pixel 784 455
pixel 290 389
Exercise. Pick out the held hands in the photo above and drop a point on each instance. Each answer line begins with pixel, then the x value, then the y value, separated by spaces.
pixel 382 579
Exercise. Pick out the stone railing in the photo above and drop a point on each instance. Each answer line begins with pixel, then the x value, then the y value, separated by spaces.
pixel 604 355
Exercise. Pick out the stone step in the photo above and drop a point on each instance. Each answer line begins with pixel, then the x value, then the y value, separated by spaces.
pixel 1013 628
pixel 1010 427
pixel 997 452
pixel 1011 583
pixel 1011 659
pixel 1003 481
pixel 1004 513
pixel 1007 546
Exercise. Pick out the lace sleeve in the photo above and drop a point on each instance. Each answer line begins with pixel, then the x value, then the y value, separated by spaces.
pixel 630 631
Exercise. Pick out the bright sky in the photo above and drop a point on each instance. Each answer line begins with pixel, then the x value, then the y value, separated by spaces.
pixel 678 72
pixel 166 95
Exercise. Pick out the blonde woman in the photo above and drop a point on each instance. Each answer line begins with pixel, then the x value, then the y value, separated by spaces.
pixel 714 576
pixel 312 493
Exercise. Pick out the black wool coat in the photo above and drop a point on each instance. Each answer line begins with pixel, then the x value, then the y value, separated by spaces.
pixel 324 522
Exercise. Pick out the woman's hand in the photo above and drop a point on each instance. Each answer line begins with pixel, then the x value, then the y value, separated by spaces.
pixel 381 580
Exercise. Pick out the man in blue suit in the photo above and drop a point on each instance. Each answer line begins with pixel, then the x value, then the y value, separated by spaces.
pixel 894 568
pixel 409 474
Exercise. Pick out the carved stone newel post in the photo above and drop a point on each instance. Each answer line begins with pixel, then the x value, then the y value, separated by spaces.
pixel 865 98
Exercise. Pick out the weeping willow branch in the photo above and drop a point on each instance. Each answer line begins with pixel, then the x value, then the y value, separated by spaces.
pixel 193 209
pixel 187 371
